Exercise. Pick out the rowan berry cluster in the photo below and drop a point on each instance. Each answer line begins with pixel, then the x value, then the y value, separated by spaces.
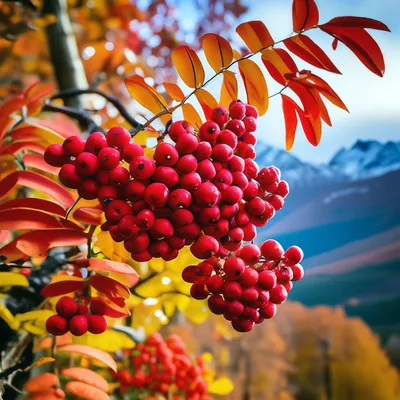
pixel 247 287
pixel 75 318
pixel 158 364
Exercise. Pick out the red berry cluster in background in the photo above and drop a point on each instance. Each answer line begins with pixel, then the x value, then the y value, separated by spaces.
pixel 158 364
pixel 248 286
pixel 76 319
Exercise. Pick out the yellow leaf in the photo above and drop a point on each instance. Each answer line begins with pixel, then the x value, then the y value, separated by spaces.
pixel 112 250
pixel 221 387
pixel 255 34
pixel 109 341
pixel 207 357
pixel 41 361
pixel 229 89
pixel 151 288
pixel 34 315
pixel 255 85
pixel 147 96
pixel 142 137
pixel 217 50
pixel 157 264
pixel 35 330
pixel 207 102
pixel 188 66
pixel 174 91
pixel 6 315
pixel 190 114
pixel 13 279
pixel 197 311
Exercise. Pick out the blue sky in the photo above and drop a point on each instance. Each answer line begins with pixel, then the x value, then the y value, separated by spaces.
pixel 374 102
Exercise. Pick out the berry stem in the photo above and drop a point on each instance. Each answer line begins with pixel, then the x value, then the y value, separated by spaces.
pixel 53 354
pixel 222 70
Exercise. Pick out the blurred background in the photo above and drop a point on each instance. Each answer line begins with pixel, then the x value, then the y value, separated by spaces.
pixel 339 336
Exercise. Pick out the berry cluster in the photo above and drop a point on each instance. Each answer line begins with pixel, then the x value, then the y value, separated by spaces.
pixel 76 319
pixel 248 286
pixel 159 364
pixel 204 191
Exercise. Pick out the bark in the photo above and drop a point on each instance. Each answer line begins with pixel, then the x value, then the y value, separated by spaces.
pixel 64 55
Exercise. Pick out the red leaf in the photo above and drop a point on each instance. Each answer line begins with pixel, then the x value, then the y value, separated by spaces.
pixel 309 51
pixel 34 204
pixel 321 105
pixel 108 286
pixel 279 64
pixel 16 147
pixel 362 44
pixel 24 219
pixel 88 215
pixel 360 22
pixel 335 43
pixel 91 352
pixel 309 104
pixel 37 161
pixel 305 14
pixel 101 264
pixel 113 310
pixel 63 287
pixel 6 109
pixel 34 180
pixel 289 113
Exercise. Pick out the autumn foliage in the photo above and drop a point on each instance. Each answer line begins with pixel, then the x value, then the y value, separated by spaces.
pixel 108 278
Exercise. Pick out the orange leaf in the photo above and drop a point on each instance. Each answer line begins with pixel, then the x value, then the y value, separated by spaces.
pixel 108 286
pixel 16 147
pixel 38 243
pixel 113 310
pixel 6 109
pixel 255 85
pixel 88 215
pixel 229 89
pixel 305 14
pixel 34 204
pixel 309 51
pixel 47 342
pixel 255 34
pixel 86 376
pixel 34 180
pixel 101 264
pixel 51 394
pixel 34 132
pixel 217 50
pixel 289 113
pixel 147 96
pixel 207 102
pixel 321 105
pixel 360 22
pixel 63 287
pixel 279 64
pixel 362 44
pixel 37 161
pixel 191 115
pixel 84 391
pixel 90 352
pixel 174 91
pixel 4 235
pixel 188 66
pixel 42 382
pixel 24 219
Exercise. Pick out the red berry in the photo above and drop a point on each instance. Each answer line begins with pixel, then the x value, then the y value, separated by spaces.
pixel 181 217
pixel 83 309
pixel 102 177
pixel 237 110
pixel 207 195
pixel 251 191
pixel 215 283
pixel 251 111
pixel 242 325
pixel 278 294
pixel 166 154
pixel 268 311
pixel 240 180
pixel 69 177
pixel 236 163
pixel 78 325
pixel 187 144
pixel 293 255
pixel 57 325
pixel 271 250
pixel 98 307
pixel 96 324
pixel 175 242
pixel 86 164
pixel 232 290
pixel 145 219
pixel 249 138
pixel 108 158
pixel 162 227
pixel 203 151
pixel 249 295
pixel 66 307
pixel 89 189
pixel 118 137
pixel 134 190
pixel 284 275
pixel 189 274
pixel 249 231
pixel 166 175
pixel 142 167
pixel 250 254
pixel 250 168
pixel 266 280
pixel 227 137
pixel 127 226
pixel 229 210
pixel 233 309
pixel 190 181
pixel 119 176
pixel 95 142
pixel 282 189
pixel 206 170
pixel 208 216
pixel 179 128
pixel 266 176
pixel 144 256
pixel 156 195
pixel 137 243
pixel 249 277
pixel 250 124
pixel 250 313
pixel 186 164
pixel 54 155
pixel 234 268
pixel 204 247
pixel 222 152
pixel 216 304
pixel 73 146
pixel 179 198
pixel 276 201
pixel 203 272
pixel 117 209
pixel 298 272
pixel 236 126
pixel 232 195
pixel 255 206
pixel 131 151
pixel 220 115
pixel 198 291
pixel 190 231
pixel 209 131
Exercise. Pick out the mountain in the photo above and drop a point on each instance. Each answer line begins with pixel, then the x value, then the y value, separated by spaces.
pixel 365 159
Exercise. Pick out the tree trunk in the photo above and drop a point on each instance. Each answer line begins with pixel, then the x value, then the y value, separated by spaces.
pixel 68 67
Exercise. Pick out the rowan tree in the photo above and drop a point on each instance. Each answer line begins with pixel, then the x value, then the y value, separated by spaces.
pixel 116 215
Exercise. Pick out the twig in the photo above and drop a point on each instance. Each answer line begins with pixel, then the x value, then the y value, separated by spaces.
pixel 137 126
pixel 222 70
pixel 53 354
pixel 89 243
pixel 72 207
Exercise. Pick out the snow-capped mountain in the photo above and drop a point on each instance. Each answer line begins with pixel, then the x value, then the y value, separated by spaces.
pixel 365 159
